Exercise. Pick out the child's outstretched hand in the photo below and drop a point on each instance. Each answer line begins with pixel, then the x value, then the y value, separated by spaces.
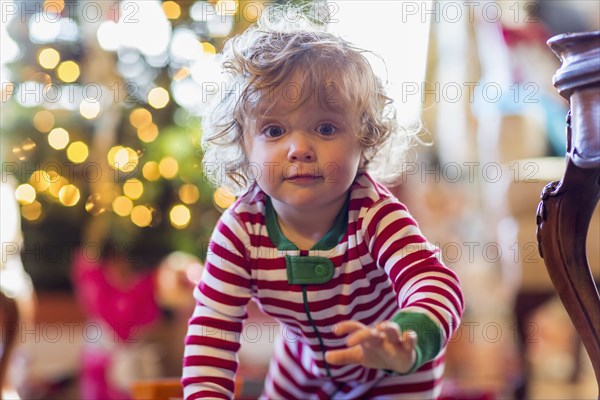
pixel 382 347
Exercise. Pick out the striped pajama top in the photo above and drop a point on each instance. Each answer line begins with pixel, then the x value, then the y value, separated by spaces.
pixel 372 265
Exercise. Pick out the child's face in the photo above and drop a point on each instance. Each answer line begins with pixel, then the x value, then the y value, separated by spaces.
pixel 303 153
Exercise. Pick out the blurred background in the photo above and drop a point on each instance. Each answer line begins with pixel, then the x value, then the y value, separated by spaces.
pixel 106 213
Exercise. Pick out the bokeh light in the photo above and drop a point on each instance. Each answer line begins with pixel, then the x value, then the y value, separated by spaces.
pixel 140 117
pixel 133 188
pixel 58 138
pixel 32 212
pixel 25 194
pixel 77 152
pixel 122 206
pixel 68 71
pixel 40 180
pixel 141 216
pixel 57 181
pixel 150 171
pixel 54 6
pixel 148 133
pixel 180 216
pixel 189 193
pixel 168 167
pixel 223 198
pixel 122 158
pixel 171 9
pixel 43 121
pixel 49 58
pixel 69 195
pixel 89 109
pixel 158 97
pixel 95 204
pixel 24 149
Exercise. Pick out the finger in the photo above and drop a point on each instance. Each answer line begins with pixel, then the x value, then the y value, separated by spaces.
pixel 352 355
pixel 365 336
pixel 410 339
pixel 346 327
pixel 391 331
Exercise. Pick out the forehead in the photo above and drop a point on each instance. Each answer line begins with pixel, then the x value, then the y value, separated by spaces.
pixel 303 89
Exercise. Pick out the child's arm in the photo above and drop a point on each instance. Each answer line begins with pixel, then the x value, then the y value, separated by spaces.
pixel 428 293
pixel 212 341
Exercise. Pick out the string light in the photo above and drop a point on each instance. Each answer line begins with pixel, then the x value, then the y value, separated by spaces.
pixel 32 212
pixel 69 195
pixel 24 149
pixel 140 117
pixel 122 206
pixel 68 71
pixel 40 180
pixel 122 158
pixel 168 167
pixel 94 204
pixel 189 193
pixel 99 202
pixel 133 188
pixel 57 181
pixel 43 121
pixel 54 6
pixel 150 171
pixel 58 138
pixel 77 152
pixel 171 9
pixel 25 194
pixel 89 109
pixel 209 48
pixel 180 216
pixel 158 97
pixel 141 216
pixel 49 58
pixel 148 133
pixel 223 198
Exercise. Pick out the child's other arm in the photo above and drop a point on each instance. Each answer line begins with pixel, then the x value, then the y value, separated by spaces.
pixel 428 293
pixel 213 338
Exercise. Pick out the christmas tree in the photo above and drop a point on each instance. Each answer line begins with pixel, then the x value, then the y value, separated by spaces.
pixel 100 125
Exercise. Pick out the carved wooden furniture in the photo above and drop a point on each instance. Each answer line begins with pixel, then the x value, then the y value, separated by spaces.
pixel 564 213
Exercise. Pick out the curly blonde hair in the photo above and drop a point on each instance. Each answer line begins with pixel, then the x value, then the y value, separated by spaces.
pixel 264 58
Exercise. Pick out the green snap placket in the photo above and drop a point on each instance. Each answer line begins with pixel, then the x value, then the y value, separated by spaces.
pixel 303 270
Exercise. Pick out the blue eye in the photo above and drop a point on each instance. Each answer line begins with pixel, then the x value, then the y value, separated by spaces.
pixel 326 129
pixel 273 131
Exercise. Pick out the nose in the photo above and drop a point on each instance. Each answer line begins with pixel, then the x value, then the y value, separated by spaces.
pixel 301 149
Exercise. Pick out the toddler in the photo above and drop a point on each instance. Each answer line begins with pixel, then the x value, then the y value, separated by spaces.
pixel 367 306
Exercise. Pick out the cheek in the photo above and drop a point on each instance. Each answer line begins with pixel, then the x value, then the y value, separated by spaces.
pixel 246 146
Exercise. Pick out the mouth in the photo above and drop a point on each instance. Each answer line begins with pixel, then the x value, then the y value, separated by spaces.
pixel 304 178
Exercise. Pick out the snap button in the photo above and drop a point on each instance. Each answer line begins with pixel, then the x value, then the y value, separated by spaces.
pixel 319 269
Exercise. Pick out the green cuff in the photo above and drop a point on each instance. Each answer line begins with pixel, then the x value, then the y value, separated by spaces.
pixel 429 336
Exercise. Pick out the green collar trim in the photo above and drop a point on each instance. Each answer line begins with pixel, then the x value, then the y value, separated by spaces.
pixel 331 239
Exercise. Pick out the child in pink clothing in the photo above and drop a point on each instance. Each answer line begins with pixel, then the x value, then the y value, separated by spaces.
pixel 120 305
